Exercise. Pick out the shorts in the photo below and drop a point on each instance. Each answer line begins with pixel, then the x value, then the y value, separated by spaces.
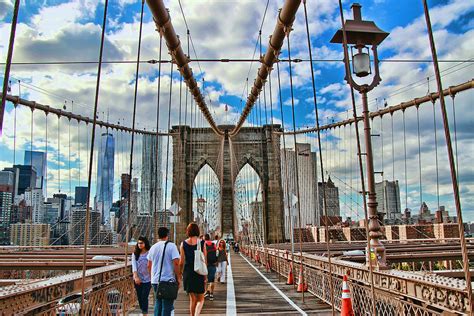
pixel 211 273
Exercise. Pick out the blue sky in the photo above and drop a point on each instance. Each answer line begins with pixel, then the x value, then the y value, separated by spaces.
pixel 70 31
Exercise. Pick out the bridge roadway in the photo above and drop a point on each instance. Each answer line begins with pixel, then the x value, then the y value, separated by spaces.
pixel 256 292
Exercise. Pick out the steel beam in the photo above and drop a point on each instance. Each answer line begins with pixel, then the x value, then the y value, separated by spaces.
pixel 163 24
pixel 282 28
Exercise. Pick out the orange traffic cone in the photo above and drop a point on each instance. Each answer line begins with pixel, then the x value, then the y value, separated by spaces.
pixel 267 265
pixel 346 302
pixel 302 287
pixel 290 281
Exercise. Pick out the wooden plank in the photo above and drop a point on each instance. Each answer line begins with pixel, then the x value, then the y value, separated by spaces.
pixel 254 296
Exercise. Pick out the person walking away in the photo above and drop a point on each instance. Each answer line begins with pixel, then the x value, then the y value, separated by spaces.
pixel 194 284
pixel 211 266
pixel 222 260
pixel 236 247
pixel 141 275
pixel 216 240
pixel 165 261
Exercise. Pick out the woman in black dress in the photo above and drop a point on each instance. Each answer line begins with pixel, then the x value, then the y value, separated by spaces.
pixel 194 284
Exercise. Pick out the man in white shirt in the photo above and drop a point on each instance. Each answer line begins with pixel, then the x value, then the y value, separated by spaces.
pixel 170 271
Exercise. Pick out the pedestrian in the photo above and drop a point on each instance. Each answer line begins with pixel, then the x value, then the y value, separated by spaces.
pixel 141 275
pixel 194 284
pixel 222 260
pixel 216 240
pixel 163 263
pixel 211 266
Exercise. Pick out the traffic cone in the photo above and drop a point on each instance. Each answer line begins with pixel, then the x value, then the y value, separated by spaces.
pixel 346 302
pixel 302 287
pixel 290 281
pixel 267 266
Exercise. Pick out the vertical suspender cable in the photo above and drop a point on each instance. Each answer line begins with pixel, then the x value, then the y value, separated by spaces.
pixel 436 151
pixel 168 144
pixel 14 124
pixel 59 155
pixel 405 160
pixel 296 161
pixel 46 155
pixel 455 133
pixel 452 166
pixel 321 165
pixel 361 168
pixel 419 153
pixel 285 161
pixel 393 148
pixel 89 179
pixel 6 77
pixel 127 232
pixel 158 158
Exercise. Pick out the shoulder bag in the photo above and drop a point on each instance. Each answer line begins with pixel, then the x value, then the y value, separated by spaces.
pixel 199 260
pixel 166 289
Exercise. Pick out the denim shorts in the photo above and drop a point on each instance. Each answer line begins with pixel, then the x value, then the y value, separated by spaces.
pixel 211 273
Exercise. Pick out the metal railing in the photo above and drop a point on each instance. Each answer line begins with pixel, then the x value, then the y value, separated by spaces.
pixel 108 291
pixel 396 292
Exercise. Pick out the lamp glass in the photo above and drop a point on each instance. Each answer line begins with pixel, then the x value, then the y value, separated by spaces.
pixel 361 64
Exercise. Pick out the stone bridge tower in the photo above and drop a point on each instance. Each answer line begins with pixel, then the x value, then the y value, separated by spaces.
pixel 259 147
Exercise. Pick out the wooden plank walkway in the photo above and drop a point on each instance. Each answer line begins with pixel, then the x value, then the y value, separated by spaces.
pixel 253 295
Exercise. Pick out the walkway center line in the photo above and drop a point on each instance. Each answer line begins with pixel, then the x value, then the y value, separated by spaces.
pixel 231 309
pixel 302 312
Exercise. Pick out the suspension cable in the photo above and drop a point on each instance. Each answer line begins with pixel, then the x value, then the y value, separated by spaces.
pixel 168 144
pixel 6 77
pixel 436 151
pixel 452 166
pixel 419 154
pixel 359 152
pixel 296 160
pixel 157 158
pixel 86 229
pixel 133 133
pixel 321 165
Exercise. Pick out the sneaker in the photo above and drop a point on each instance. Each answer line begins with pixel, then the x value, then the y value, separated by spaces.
pixel 206 294
pixel 211 297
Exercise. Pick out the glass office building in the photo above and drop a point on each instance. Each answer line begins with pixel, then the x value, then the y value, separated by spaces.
pixel 105 177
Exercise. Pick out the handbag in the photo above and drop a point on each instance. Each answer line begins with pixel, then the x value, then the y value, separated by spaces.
pixel 200 266
pixel 166 289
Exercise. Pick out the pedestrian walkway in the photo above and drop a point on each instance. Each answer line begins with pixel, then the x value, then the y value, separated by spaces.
pixel 256 292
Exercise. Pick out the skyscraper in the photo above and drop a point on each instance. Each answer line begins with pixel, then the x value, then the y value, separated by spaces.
pixel 80 196
pixel 5 216
pixel 34 198
pixel 105 177
pixel 307 179
pixel 388 200
pixel 26 177
pixel 37 159
pixel 151 177
pixel 332 198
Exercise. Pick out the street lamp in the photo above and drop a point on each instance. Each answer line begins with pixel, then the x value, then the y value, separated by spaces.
pixel 361 34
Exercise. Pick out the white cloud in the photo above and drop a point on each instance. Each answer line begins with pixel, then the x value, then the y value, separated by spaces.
pixel 6 6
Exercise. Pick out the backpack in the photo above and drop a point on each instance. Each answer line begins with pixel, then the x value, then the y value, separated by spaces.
pixel 211 254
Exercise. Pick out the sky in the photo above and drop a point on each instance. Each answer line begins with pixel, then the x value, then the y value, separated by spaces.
pixel 70 31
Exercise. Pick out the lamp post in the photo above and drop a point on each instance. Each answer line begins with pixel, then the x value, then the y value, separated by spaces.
pixel 360 34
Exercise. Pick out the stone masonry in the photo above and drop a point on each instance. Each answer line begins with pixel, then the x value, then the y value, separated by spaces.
pixel 259 147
